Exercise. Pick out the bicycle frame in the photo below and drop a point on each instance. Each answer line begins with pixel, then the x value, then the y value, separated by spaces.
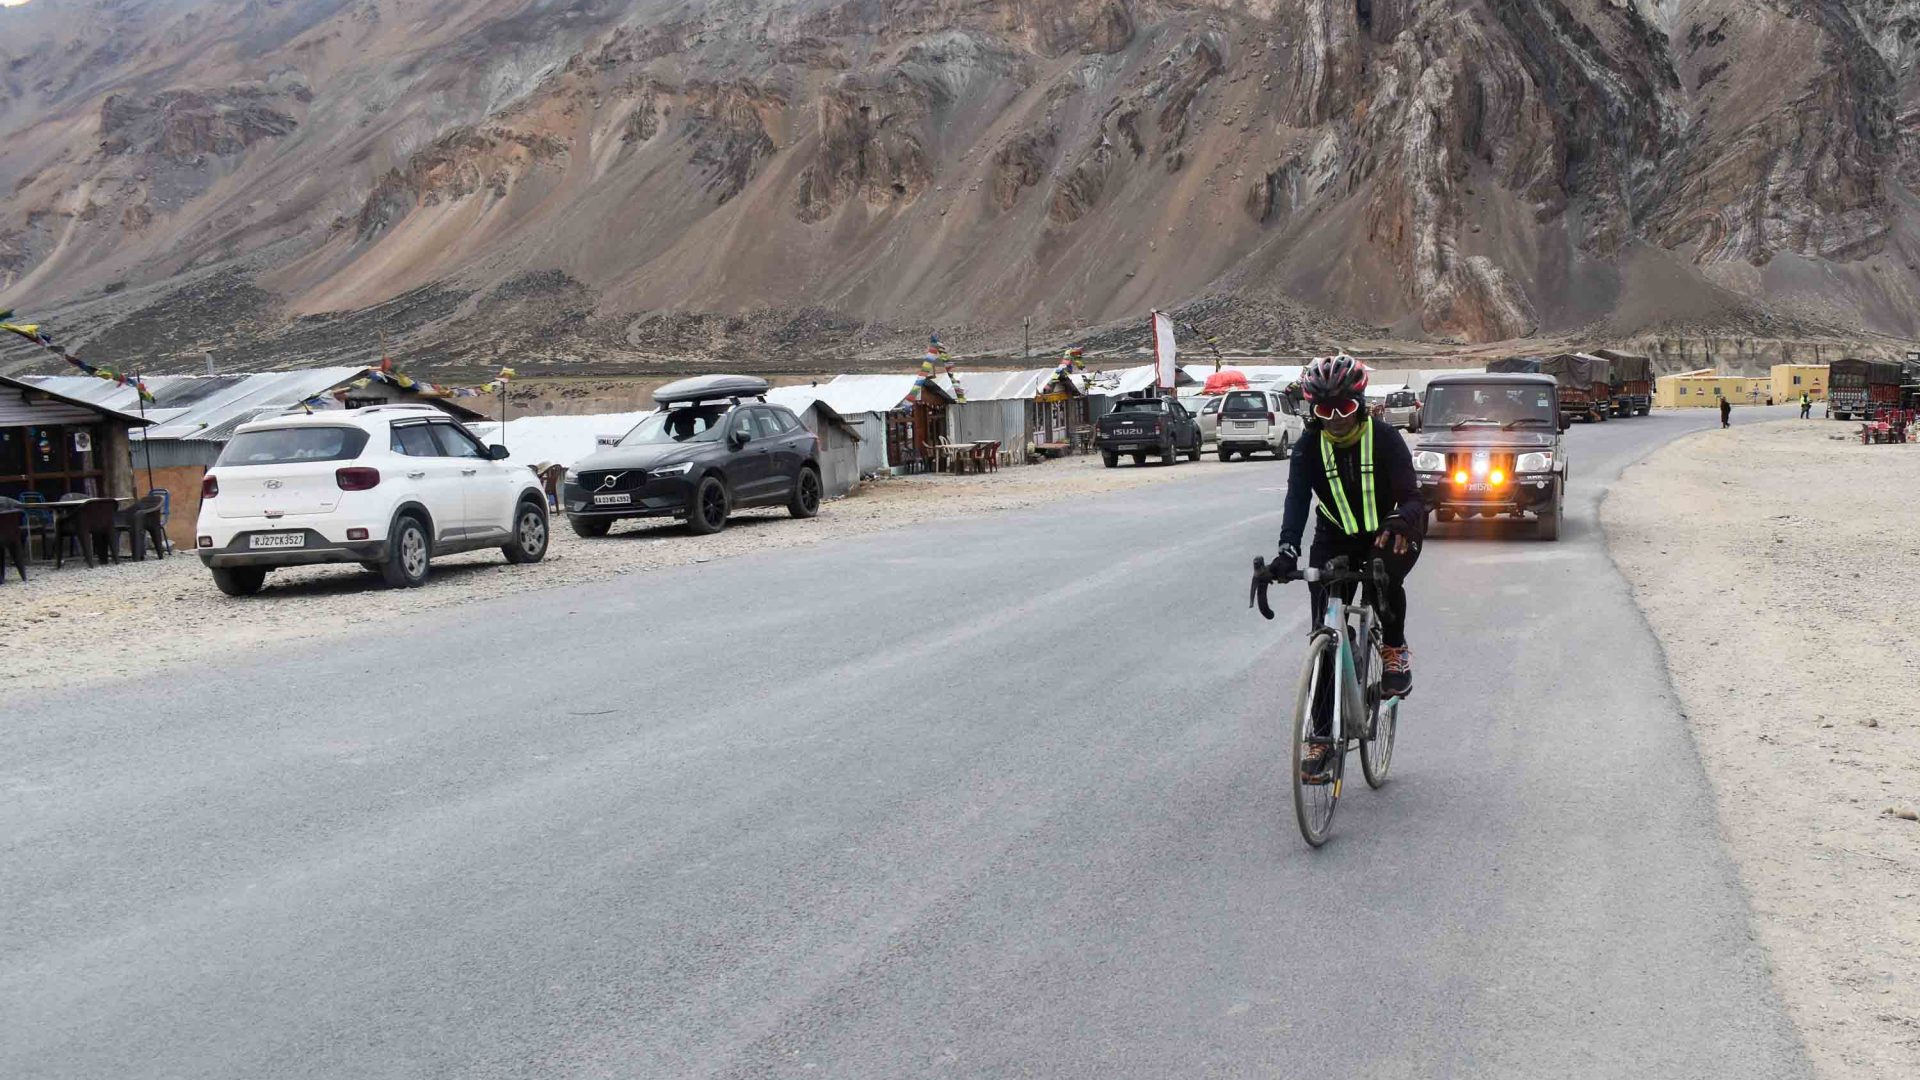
pixel 1347 623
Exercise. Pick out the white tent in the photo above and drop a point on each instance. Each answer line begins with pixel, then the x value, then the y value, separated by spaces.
pixel 555 440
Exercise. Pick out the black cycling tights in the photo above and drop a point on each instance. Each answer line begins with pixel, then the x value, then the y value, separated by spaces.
pixel 1329 543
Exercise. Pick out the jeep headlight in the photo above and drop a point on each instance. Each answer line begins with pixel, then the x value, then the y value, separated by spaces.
pixel 681 469
pixel 1429 461
pixel 1535 462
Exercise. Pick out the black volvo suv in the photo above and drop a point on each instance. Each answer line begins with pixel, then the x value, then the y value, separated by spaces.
pixel 714 445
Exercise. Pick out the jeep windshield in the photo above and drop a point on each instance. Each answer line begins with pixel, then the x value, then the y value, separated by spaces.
pixel 692 423
pixel 1506 407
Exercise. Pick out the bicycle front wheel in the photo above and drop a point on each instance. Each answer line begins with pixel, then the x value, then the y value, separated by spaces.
pixel 1317 762
pixel 1376 754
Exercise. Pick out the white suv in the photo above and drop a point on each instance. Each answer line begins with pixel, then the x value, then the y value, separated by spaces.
pixel 388 487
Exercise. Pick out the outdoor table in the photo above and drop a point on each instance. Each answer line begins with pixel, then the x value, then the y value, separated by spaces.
pixel 65 506
pixel 951 454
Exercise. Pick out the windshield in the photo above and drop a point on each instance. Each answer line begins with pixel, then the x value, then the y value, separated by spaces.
pixel 1246 401
pixel 1497 406
pixel 1141 405
pixel 694 423
pixel 278 446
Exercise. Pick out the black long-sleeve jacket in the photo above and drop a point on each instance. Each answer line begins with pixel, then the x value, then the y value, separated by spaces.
pixel 1396 490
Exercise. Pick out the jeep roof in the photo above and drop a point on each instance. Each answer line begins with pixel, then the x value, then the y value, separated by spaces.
pixel 1499 378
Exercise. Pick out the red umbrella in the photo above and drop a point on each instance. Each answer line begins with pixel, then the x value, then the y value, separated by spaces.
pixel 1222 381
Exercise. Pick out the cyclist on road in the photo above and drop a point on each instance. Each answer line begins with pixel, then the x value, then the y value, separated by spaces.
pixel 1362 474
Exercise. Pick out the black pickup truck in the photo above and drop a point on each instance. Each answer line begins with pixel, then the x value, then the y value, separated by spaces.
pixel 1138 426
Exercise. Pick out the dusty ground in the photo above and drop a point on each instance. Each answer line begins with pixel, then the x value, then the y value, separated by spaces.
pixel 79 625
pixel 1781 570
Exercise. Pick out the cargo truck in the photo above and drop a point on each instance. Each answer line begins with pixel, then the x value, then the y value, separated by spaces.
pixel 1585 382
pixel 1632 382
pixel 1862 389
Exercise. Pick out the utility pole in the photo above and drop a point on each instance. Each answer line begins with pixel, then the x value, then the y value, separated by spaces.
pixel 146 444
pixel 1026 335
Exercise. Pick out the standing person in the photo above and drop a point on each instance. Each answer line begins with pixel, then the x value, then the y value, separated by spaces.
pixel 1726 413
pixel 1806 405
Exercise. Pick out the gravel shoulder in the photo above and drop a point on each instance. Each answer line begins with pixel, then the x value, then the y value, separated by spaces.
pixel 76 626
pixel 1780 568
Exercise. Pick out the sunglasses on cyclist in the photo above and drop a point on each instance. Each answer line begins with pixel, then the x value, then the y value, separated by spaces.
pixel 1342 409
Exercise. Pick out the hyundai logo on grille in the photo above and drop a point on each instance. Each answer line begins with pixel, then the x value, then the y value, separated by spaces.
pixel 608 481
pixel 273 483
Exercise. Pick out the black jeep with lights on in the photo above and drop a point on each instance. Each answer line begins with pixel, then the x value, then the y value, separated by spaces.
pixel 1490 446
pixel 714 445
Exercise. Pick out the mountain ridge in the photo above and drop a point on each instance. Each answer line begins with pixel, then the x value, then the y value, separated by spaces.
pixel 604 182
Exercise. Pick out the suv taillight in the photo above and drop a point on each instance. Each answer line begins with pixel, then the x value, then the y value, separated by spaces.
pixel 1270 416
pixel 209 486
pixel 356 478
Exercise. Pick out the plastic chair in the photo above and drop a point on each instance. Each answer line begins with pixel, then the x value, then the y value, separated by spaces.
pixel 13 542
pixel 141 523
pixel 92 527
pixel 166 515
pixel 39 522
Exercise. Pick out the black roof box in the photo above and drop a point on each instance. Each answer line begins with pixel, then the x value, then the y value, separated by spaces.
pixel 709 388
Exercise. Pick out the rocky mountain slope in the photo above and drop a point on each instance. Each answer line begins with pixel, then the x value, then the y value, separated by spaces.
pixel 608 181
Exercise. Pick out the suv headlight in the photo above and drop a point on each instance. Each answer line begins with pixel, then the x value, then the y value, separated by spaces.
pixel 681 469
pixel 1537 462
pixel 1429 461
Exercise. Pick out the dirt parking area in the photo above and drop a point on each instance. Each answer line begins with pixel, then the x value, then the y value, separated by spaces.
pixel 1780 568
pixel 78 625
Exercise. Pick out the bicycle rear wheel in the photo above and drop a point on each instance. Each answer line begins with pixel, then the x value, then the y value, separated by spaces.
pixel 1314 795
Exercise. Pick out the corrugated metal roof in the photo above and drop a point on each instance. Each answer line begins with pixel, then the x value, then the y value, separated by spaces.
pixel 852 394
pixel 1006 385
pixel 74 409
pixel 802 398
pixel 206 406
pixel 199 406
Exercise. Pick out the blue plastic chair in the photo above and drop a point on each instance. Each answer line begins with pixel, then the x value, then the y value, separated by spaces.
pixel 39 522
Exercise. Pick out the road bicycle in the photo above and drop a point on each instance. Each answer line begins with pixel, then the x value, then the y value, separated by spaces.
pixel 1339 706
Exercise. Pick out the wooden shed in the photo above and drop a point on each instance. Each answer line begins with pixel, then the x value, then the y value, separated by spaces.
pixel 54 444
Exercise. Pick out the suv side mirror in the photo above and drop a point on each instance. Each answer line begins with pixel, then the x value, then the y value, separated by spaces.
pixel 497 452
pixel 1566 422
pixel 738 438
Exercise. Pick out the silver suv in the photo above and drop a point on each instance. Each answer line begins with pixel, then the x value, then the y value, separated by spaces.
pixel 1253 420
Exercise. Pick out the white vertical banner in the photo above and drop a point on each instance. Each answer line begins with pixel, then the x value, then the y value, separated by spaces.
pixel 1163 350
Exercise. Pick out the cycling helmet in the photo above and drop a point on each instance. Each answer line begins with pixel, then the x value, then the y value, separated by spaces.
pixel 1334 378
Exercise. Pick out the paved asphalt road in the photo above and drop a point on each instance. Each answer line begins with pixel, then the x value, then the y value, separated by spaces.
pixel 996 797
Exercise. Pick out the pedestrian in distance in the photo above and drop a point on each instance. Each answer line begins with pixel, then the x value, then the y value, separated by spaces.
pixel 1806 405
pixel 1726 413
